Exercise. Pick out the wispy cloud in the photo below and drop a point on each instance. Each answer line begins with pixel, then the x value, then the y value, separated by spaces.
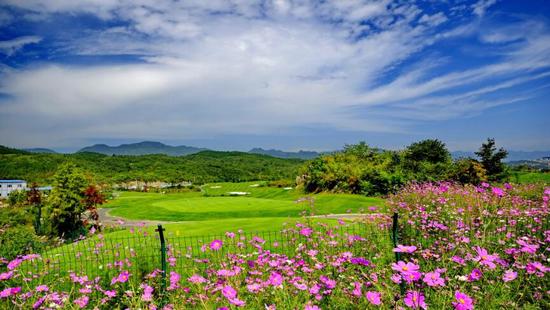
pixel 233 67
pixel 9 47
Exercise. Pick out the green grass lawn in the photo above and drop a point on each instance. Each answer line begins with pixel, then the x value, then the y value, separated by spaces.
pixel 531 177
pixel 215 204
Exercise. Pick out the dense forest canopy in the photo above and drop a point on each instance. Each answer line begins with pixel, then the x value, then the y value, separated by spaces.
pixel 206 166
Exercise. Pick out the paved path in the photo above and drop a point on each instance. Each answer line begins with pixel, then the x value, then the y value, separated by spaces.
pixel 108 220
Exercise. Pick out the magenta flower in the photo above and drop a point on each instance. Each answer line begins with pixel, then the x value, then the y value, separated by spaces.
pixel 6 275
pixel 196 279
pixel 306 231
pixel 357 289
pixel 14 263
pixel 484 258
pixel 497 191
pixel 82 301
pixel 463 301
pixel 229 292
pixel 275 279
pixel 404 249
pixel 174 280
pixel 147 292
pixel 415 300
pixel 411 276
pixel 403 267
pixel 509 275
pixel 475 275
pixel 374 298
pixel 216 245
pixel 121 278
pixel 42 288
pixel 309 306
pixel 434 279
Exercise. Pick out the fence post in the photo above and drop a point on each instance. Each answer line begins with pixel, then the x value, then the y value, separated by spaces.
pixel 395 236
pixel 160 230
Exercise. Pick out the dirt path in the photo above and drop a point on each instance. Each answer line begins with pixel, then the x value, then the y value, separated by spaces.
pixel 109 220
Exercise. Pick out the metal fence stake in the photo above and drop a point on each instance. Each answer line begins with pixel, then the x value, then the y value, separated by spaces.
pixel 395 236
pixel 160 230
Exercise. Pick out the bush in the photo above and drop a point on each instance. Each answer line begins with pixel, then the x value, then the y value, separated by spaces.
pixel 19 240
pixel 468 171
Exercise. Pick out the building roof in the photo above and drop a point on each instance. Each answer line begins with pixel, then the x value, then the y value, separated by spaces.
pixel 12 181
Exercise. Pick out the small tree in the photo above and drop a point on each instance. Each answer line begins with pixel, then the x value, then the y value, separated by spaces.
pixel 429 150
pixel 34 199
pixel 17 198
pixel 491 159
pixel 92 198
pixel 468 171
pixel 65 202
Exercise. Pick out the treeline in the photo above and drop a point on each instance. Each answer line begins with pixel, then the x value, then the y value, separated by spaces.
pixel 206 166
pixel 361 169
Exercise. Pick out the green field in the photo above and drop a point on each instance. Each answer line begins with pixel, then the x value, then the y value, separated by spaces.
pixel 214 210
pixel 530 177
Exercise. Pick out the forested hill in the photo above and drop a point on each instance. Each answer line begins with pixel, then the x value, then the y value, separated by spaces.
pixel 205 166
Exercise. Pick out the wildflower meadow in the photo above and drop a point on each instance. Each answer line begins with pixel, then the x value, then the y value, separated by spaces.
pixel 454 247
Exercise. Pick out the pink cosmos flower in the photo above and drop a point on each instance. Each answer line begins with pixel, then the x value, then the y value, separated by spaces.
pixel 147 292
pixel 174 280
pixel 374 298
pixel 6 275
pixel 475 275
pixel 82 301
pixel 484 258
pixel 306 231
pixel 14 263
pixel 275 279
pixel 309 306
pixel 411 276
pixel 110 294
pixel 434 279
pixel 527 247
pixel 497 191
pixel 404 249
pixel 463 301
pixel 229 292
pixel 509 275
pixel 403 267
pixel 357 289
pixel 216 245
pixel 42 288
pixel 415 300
pixel 196 279
pixel 121 278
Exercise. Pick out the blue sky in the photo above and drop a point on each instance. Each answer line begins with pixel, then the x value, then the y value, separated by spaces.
pixel 290 75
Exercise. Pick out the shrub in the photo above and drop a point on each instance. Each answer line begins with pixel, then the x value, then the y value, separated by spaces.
pixel 18 240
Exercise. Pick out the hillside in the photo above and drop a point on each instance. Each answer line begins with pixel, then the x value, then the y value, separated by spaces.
pixel 205 166
pixel 512 155
pixel 142 148
pixel 282 154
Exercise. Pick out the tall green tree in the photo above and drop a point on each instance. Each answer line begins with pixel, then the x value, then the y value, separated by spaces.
pixel 491 159
pixel 66 202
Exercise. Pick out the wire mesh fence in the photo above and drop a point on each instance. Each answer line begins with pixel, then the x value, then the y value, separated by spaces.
pixel 140 253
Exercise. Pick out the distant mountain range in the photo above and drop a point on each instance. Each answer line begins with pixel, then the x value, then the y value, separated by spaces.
pixel 40 150
pixel 151 147
pixel 281 154
pixel 512 155
pixel 142 148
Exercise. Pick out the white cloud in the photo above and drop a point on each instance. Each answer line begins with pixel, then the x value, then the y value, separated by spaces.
pixel 9 47
pixel 240 67
pixel 480 7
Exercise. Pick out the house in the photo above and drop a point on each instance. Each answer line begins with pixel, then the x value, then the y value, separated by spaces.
pixel 8 186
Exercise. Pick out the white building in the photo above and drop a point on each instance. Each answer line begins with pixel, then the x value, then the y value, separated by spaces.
pixel 8 186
